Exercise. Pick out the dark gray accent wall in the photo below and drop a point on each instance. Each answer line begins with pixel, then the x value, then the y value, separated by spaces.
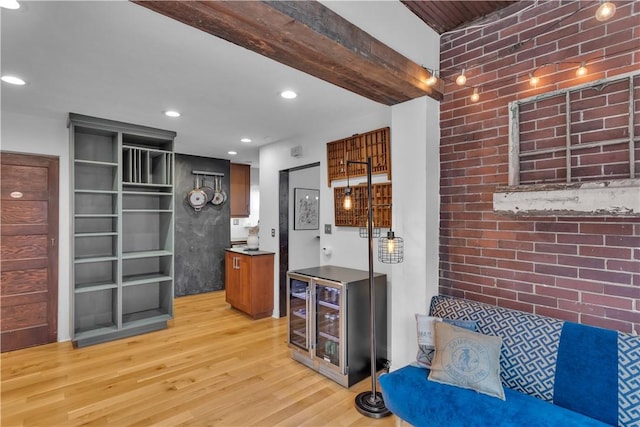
pixel 200 237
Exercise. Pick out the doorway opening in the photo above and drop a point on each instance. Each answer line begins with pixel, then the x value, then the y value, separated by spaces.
pixel 298 177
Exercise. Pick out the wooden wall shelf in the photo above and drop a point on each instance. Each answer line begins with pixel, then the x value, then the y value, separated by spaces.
pixel 375 144
pixel 357 216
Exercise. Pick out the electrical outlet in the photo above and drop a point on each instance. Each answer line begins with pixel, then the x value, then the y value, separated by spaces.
pixel 327 229
pixel 273 232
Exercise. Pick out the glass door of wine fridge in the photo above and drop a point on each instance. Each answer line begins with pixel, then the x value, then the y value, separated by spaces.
pixel 329 321
pixel 298 305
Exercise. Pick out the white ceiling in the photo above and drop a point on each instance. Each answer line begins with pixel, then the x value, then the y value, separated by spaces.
pixel 120 61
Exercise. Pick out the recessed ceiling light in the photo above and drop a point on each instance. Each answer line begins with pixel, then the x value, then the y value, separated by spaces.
pixel 233 153
pixel 245 140
pixel 13 80
pixel 172 113
pixel 9 4
pixel 288 94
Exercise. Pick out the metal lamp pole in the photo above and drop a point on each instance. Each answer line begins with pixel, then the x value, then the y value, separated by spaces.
pixel 370 403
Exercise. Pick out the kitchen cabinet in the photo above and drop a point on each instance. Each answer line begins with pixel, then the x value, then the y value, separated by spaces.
pixel 249 281
pixel 240 176
pixel 122 223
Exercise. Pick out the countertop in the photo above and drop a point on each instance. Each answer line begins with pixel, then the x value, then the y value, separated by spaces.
pixel 340 274
pixel 245 251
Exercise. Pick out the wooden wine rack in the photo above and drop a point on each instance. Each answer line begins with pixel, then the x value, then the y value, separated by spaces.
pixel 375 144
pixel 357 215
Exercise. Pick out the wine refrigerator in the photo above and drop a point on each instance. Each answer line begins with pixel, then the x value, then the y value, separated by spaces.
pixel 329 321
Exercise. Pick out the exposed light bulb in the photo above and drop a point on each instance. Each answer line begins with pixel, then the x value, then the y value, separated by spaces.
pixel 533 80
pixel 461 79
pixel 605 11
pixel 347 203
pixel 475 96
pixel 432 80
pixel 582 70
pixel 391 244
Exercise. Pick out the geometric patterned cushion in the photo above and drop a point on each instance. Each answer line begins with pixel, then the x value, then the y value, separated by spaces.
pixel 530 342
pixel 628 380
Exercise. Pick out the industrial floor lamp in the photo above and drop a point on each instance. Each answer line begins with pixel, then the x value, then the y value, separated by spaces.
pixel 371 403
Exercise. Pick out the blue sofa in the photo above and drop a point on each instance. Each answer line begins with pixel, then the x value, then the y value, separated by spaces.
pixel 554 373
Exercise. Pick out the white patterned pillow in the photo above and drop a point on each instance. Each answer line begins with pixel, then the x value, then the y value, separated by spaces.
pixel 426 340
pixel 467 359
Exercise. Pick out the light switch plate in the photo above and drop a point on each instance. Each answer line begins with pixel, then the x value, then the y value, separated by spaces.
pixel 236 221
pixel 273 232
pixel 327 229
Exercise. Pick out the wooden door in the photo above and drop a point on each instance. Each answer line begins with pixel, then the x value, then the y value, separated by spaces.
pixel 28 250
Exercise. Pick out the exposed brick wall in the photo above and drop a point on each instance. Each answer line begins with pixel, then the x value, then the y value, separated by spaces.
pixel 583 269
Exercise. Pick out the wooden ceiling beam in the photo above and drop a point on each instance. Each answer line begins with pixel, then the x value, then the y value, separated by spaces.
pixel 309 37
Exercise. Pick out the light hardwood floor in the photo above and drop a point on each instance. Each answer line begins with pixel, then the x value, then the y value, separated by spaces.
pixel 212 367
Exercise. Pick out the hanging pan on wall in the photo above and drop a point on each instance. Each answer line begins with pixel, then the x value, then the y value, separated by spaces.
pixel 208 191
pixel 197 197
pixel 219 196
pixel 224 194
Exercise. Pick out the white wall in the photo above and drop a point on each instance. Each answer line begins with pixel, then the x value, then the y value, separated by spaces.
pixel 304 245
pixel 47 136
pixel 415 155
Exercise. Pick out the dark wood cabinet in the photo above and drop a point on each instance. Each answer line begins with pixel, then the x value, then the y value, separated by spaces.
pixel 249 282
pixel 240 190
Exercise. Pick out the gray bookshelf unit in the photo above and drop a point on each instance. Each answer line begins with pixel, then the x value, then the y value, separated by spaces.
pixel 123 223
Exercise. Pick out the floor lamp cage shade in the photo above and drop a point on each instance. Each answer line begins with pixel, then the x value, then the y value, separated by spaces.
pixel 391 249
pixel 364 232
